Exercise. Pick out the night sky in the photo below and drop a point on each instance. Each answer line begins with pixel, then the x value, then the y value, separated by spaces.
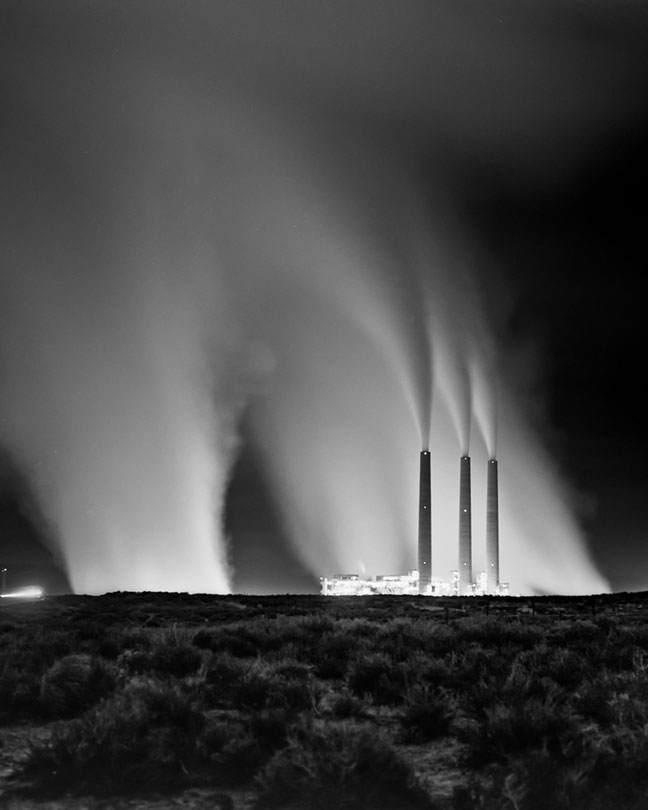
pixel 144 144
pixel 578 255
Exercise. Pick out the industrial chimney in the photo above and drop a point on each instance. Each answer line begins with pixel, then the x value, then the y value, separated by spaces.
pixel 465 530
pixel 425 525
pixel 492 528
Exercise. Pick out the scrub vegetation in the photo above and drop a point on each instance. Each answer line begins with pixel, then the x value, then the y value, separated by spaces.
pixel 309 702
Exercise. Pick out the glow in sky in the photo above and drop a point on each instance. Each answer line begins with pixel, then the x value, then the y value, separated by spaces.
pixel 216 206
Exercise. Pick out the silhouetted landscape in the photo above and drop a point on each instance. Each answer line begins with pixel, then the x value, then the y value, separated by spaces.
pixel 159 700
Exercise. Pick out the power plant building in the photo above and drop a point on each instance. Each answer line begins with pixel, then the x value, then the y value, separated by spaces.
pixel 422 581
pixel 405 585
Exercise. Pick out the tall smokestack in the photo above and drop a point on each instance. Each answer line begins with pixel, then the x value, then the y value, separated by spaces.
pixel 425 524
pixel 465 524
pixel 492 528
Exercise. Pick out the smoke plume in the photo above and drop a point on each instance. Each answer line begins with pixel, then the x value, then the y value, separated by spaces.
pixel 207 201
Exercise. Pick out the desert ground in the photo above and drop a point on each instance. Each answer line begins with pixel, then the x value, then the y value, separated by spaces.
pixel 242 702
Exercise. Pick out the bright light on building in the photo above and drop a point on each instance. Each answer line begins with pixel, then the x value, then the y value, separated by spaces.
pixel 405 585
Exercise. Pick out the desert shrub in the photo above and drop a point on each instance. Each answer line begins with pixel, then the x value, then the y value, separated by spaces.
pixel 534 660
pixel 431 671
pixel 135 662
pixel 493 632
pixel 169 651
pixel 332 655
pixel 74 683
pixel 636 636
pixel 290 693
pixel 485 692
pixel 219 677
pixel 607 623
pixel 264 635
pixel 33 651
pixel 262 687
pixel 289 667
pixel 357 628
pixel 7 627
pixel 230 752
pixel 618 654
pixel 270 728
pixel 316 624
pixel 254 689
pixel 629 698
pixel 567 667
pixel 614 698
pixel 592 700
pixel 109 646
pixel 400 638
pixel 427 714
pixel 172 635
pixel 437 639
pixel 595 772
pixel 45 645
pixel 134 638
pixel 295 695
pixel 144 738
pixel 377 675
pixel 227 681
pixel 177 660
pixel 338 766
pixel 226 640
pixel 614 763
pixel 468 665
pixel 19 694
pixel 582 637
pixel 523 683
pixel 506 729
pixel 149 636
pixel 538 782
pixel 299 630
pixel 204 638
pixel 628 710
pixel 513 685
pixel 534 783
pixel 343 705
pixel 24 661
pixel 87 630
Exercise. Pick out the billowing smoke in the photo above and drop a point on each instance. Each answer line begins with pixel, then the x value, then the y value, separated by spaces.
pixel 212 200
pixel 120 366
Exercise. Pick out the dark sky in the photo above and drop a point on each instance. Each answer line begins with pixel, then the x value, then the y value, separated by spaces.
pixel 578 257
pixel 522 126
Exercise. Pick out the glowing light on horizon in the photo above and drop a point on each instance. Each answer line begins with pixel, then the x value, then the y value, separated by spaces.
pixel 28 592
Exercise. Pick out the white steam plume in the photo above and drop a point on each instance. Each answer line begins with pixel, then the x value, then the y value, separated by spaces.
pixel 120 364
pixel 186 185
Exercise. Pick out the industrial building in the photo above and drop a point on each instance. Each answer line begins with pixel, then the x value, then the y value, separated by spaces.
pixel 460 582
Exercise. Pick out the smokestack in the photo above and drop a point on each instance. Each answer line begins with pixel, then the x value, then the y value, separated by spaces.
pixel 425 524
pixel 465 530
pixel 492 528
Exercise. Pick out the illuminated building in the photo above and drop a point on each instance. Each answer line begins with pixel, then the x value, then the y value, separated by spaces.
pixel 421 581
pixel 405 585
